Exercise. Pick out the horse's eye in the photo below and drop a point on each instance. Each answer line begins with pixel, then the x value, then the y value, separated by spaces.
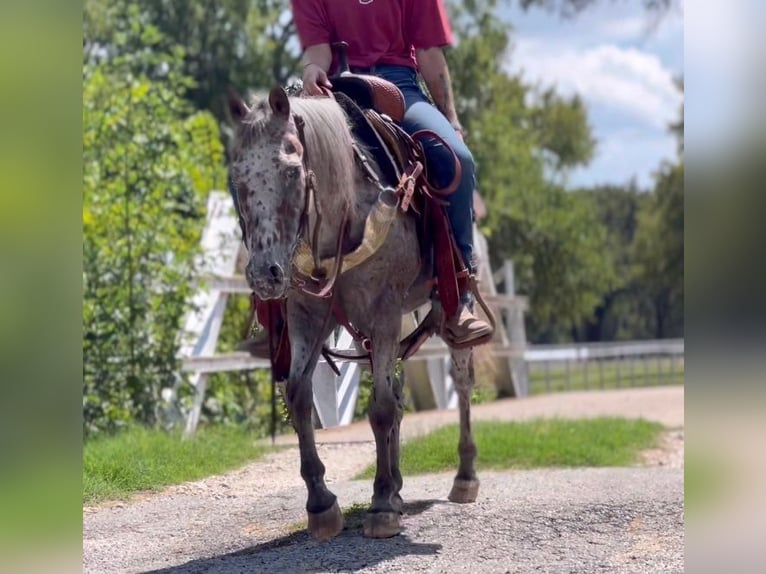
pixel 292 172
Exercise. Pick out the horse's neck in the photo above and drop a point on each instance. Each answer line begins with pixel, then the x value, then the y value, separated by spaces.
pixel 330 202
pixel 335 208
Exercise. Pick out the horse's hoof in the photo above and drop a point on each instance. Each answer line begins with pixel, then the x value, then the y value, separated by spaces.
pixel 327 524
pixel 382 524
pixel 464 491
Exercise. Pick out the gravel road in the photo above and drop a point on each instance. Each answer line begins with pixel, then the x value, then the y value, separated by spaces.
pixel 621 520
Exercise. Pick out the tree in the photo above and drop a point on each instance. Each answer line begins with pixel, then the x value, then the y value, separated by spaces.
pixel 659 245
pixel 571 8
pixel 148 163
pixel 624 308
pixel 659 251
pixel 225 43
pixel 646 246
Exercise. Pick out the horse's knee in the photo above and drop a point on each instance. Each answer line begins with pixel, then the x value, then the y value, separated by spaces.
pixel 298 398
pixel 382 409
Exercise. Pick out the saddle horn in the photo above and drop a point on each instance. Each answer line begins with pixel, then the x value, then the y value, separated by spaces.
pixel 342 50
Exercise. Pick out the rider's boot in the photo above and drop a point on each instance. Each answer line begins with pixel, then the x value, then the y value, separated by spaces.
pixel 464 328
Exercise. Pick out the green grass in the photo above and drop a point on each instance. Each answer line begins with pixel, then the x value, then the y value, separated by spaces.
pixel 538 443
pixel 141 459
pixel 604 375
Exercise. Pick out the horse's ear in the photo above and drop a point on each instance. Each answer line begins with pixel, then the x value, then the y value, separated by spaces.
pixel 279 102
pixel 237 106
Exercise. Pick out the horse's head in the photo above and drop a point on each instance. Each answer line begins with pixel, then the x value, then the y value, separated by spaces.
pixel 269 179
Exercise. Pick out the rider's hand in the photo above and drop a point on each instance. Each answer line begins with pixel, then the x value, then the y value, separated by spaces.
pixel 314 79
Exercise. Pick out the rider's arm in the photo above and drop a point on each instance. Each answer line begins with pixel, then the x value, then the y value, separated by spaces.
pixel 314 31
pixel 318 55
pixel 429 30
pixel 433 67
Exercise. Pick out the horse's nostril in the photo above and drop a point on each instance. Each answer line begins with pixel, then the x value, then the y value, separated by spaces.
pixel 276 272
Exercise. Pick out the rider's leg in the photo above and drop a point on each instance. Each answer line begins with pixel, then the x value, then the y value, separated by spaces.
pixel 420 115
pixel 440 165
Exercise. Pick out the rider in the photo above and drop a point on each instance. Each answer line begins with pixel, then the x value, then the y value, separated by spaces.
pixel 397 40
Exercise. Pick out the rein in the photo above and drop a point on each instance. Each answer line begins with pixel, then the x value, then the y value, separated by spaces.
pixel 317 274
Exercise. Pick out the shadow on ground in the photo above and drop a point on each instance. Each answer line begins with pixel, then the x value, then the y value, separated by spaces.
pixel 299 553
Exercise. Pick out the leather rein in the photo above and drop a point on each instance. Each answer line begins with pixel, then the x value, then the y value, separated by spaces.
pixel 313 284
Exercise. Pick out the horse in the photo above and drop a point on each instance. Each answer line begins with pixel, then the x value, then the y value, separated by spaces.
pixel 293 170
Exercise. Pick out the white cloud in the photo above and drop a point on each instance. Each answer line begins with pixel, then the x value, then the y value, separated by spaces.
pixel 622 63
pixel 623 154
pixel 625 79
pixel 628 28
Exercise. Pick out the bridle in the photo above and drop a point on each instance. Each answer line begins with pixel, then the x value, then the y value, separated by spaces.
pixel 312 284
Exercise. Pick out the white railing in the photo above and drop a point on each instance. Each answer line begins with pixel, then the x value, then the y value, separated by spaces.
pixel 604 365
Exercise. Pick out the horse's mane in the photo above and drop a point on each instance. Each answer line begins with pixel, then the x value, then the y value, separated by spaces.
pixel 329 147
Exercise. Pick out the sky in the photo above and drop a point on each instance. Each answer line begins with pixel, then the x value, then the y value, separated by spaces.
pixel 623 66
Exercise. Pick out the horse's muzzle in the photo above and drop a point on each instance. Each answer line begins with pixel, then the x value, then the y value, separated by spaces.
pixel 266 279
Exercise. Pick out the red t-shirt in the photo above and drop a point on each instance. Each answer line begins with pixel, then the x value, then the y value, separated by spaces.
pixel 377 31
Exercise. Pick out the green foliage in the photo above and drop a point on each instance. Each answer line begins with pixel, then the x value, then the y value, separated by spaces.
pixel 659 251
pixel 242 43
pixel 645 247
pixel 365 393
pixel 140 459
pixel 539 443
pixel 571 8
pixel 563 132
pixel 242 398
pixel 624 310
pixel 148 164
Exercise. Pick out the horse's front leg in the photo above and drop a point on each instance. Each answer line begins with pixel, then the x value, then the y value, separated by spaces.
pixel 304 319
pixel 465 487
pixel 394 447
pixel 383 518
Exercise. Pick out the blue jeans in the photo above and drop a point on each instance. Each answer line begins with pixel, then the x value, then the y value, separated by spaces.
pixel 421 114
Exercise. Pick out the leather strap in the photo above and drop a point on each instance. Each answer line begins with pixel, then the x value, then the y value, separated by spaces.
pixel 418 137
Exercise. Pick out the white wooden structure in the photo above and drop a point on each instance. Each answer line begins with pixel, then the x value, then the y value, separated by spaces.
pixel 334 396
pixel 220 249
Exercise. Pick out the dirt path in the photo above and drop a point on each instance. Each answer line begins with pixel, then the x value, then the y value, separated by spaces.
pixel 581 520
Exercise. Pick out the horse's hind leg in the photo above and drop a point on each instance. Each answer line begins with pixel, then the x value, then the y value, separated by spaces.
pixel 383 518
pixel 465 487
pixel 305 321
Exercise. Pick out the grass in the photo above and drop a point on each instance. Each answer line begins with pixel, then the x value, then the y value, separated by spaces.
pixel 142 459
pixel 538 443
pixel 604 375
